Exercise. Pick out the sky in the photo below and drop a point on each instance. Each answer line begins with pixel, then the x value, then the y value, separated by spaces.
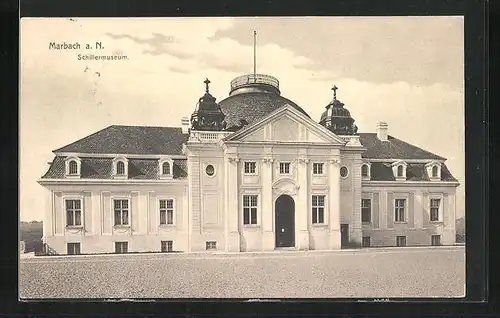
pixel 406 71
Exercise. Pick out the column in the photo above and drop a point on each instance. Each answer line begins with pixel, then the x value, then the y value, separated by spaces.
pixel 267 212
pixel 232 199
pixel 334 204
pixel 301 208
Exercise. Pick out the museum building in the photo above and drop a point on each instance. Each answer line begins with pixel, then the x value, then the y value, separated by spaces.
pixel 253 172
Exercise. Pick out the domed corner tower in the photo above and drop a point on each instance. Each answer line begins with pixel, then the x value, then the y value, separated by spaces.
pixel 337 118
pixel 252 97
pixel 208 116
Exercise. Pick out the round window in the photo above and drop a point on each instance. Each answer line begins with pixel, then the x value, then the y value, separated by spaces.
pixel 343 172
pixel 210 170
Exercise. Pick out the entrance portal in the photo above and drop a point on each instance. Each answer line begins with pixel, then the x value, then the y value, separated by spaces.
pixel 284 227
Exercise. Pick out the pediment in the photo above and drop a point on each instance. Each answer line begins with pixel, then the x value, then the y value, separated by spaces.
pixel 287 125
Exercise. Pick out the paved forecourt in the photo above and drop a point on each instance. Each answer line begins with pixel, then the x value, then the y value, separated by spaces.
pixel 376 272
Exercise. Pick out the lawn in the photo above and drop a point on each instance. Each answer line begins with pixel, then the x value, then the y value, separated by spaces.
pixel 379 273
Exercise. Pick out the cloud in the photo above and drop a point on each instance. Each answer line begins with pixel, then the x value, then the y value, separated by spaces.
pixel 416 50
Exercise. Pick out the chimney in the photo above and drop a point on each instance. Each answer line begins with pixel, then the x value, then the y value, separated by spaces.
pixel 382 131
pixel 185 125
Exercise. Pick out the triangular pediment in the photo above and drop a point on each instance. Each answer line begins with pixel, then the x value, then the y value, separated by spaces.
pixel 286 125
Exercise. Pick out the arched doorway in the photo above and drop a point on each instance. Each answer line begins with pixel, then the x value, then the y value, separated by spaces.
pixel 284 221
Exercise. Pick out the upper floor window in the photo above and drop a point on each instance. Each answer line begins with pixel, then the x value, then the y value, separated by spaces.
pixel 73 212
pixel 434 213
pixel 284 167
pixel 167 212
pixel 250 167
pixel 400 170
pixel 73 167
pixel 318 209
pixel 249 209
pixel 121 212
pixel 399 210
pixel 166 168
pixel 366 210
pixel 364 170
pixel 120 167
pixel 435 171
pixel 317 168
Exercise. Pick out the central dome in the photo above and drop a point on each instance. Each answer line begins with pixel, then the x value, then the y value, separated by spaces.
pixel 251 98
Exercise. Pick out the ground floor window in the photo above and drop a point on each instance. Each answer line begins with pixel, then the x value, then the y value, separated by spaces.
pixel 399 210
pixel 318 209
pixel 400 240
pixel 73 212
pixel 167 246
pixel 366 241
pixel 121 247
pixel 211 245
pixel 73 248
pixel 366 210
pixel 249 209
pixel 436 240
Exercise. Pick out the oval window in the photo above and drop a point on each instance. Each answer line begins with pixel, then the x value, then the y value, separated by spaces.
pixel 343 172
pixel 210 170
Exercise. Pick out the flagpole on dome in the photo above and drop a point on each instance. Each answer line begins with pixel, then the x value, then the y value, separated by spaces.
pixel 254 54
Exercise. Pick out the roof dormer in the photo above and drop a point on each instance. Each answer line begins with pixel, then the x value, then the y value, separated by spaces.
pixel 166 168
pixel 434 170
pixel 120 168
pixel 399 170
pixel 73 167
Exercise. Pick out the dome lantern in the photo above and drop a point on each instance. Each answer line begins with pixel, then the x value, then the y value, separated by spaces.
pixel 207 115
pixel 337 118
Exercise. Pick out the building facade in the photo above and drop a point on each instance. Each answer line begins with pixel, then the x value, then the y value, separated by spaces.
pixel 252 172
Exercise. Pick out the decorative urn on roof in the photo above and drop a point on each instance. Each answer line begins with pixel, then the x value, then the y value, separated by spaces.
pixel 208 115
pixel 337 118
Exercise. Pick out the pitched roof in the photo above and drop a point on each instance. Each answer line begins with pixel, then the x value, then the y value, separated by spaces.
pixel 101 168
pixel 380 171
pixel 131 140
pixel 392 149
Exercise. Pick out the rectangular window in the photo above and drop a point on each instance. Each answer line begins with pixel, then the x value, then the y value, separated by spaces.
pixel 435 209
pixel 121 212
pixel 436 240
pixel 318 209
pixel 317 168
pixel 121 247
pixel 399 210
pixel 167 246
pixel 284 167
pixel 400 240
pixel 73 248
pixel 167 211
pixel 250 167
pixel 211 245
pixel 366 241
pixel 366 210
pixel 249 209
pixel 73 212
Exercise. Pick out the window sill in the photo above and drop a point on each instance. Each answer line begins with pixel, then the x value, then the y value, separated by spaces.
pixel 166 226
pixel 368 223
pixel 319 225
pixel 400 222
pixel 251 226
pixel 166 176
pixel 121 226
pixel 74 227
pixel 120 176
pixel 436 222
pixel 72 176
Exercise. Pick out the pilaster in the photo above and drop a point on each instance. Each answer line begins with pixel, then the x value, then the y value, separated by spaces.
pixel 301 209
pixel 334 204
pixel 232 199
pixel 267 205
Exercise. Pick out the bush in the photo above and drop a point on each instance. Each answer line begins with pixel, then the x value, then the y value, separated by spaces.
pixel 31 233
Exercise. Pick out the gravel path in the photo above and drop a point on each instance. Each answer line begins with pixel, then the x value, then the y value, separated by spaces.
pixel 379 273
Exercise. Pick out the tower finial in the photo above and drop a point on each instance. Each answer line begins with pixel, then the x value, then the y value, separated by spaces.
pixel 334 89
pixel 254 53
pixel 207 81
